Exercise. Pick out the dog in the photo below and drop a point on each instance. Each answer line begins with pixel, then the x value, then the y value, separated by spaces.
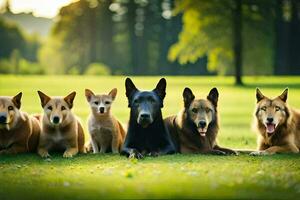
pixel 194 129
pixel 147 134
pixel 61 130
pixel 19 132
pixel 278 125
pixel 107 133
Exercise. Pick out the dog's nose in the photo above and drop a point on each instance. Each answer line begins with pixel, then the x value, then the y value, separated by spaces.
pixel 101 109
pixel 55 119
pixel 202 124
pixel 2 119
pixel 270 119
pixel 145 116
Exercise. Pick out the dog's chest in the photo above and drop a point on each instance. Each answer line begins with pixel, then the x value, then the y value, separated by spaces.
pixel 97 129
pixel 57 136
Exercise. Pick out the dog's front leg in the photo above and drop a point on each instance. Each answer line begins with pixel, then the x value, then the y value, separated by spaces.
pixel 43 148
pixel 227 151
pixel 131 153
pixel 115 143
pixel 94 145
pixel 214 152
pixel 70 152
pixel 289 148
pixel 72 149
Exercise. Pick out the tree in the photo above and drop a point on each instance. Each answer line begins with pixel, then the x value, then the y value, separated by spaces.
pixel 214 28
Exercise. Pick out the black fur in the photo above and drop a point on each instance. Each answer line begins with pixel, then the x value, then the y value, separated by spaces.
pixel 146 136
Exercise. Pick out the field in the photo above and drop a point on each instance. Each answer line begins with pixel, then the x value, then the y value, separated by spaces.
pixel 175 176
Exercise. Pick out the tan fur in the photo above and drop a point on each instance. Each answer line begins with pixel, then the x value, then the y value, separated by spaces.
pixel 105 130
pixel 21 132
pixel 187 136
pixel 66 136
pixel 286 137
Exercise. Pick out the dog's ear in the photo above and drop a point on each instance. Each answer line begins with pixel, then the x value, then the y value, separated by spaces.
pixel 89 94
pixel 284 95
pixel 259 95
pixel 17 100
pixel 130 87
pixel 188 97
pixel 113 93
pixel 69 99
pixel 160 88
pixel 213 96
pixel 44 98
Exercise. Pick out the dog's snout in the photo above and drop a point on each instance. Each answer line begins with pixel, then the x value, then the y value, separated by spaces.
pixel 202 124
pixel 55 119
pixel 145 116
pixel 2 119
pixel 101 109
pixel 270 119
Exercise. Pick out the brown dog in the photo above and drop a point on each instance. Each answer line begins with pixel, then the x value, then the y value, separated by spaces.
pixel 19 132
pixel 194 129
pixel 61 130
pixel 107 133
pixel 277 124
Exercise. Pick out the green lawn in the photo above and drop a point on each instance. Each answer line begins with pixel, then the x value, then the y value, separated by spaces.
pixel 176 176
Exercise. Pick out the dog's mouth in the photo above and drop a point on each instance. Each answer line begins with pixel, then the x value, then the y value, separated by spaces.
pixel 202 131
pixel 144 123
pixel 270 128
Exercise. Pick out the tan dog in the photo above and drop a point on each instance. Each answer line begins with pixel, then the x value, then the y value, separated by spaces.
pixel 107 133
pixel 19 132
pixel 278 125
pixel 61 130
pixel 195 128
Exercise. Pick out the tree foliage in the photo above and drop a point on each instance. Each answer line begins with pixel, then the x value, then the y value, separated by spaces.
pixel 208 30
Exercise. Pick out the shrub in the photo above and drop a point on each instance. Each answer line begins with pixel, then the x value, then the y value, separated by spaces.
pixel 98 69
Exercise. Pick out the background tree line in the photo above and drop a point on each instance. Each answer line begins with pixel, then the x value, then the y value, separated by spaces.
pixel 143 37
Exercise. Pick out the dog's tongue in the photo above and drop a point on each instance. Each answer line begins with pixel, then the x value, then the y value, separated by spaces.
pixel 202 132
pixel 270 128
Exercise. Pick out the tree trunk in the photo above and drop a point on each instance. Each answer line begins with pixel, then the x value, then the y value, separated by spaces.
pixel 237 41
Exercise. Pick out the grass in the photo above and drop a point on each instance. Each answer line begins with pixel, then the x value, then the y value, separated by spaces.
pixel 175 176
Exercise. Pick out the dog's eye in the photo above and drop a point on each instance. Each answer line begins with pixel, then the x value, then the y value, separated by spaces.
pixel 63 108
pixel 194 110
pixel 49 107
pixel 136 102
pixel 277 108
pixel 207 110
pixel 96 102
pixel 10 108
pixel 263 108
pixel 107 102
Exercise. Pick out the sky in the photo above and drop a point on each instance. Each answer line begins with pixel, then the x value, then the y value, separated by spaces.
pixel 40 8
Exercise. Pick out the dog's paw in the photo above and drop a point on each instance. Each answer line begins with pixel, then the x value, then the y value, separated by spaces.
pixel 68 154
pixel 259 153
pixel 231 152
pixel 115 151
pixel 153 154
pixel 44 154
pixel 218 152
pixel 135 154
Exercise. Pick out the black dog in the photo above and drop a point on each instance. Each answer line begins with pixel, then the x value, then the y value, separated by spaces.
pixel 147 134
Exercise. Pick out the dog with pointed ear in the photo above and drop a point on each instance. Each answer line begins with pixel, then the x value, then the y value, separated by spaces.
pixel 194 129
pixel 146 133
pixel 19 131
pixel 110 137
pixel 58 119
pixel 277 125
